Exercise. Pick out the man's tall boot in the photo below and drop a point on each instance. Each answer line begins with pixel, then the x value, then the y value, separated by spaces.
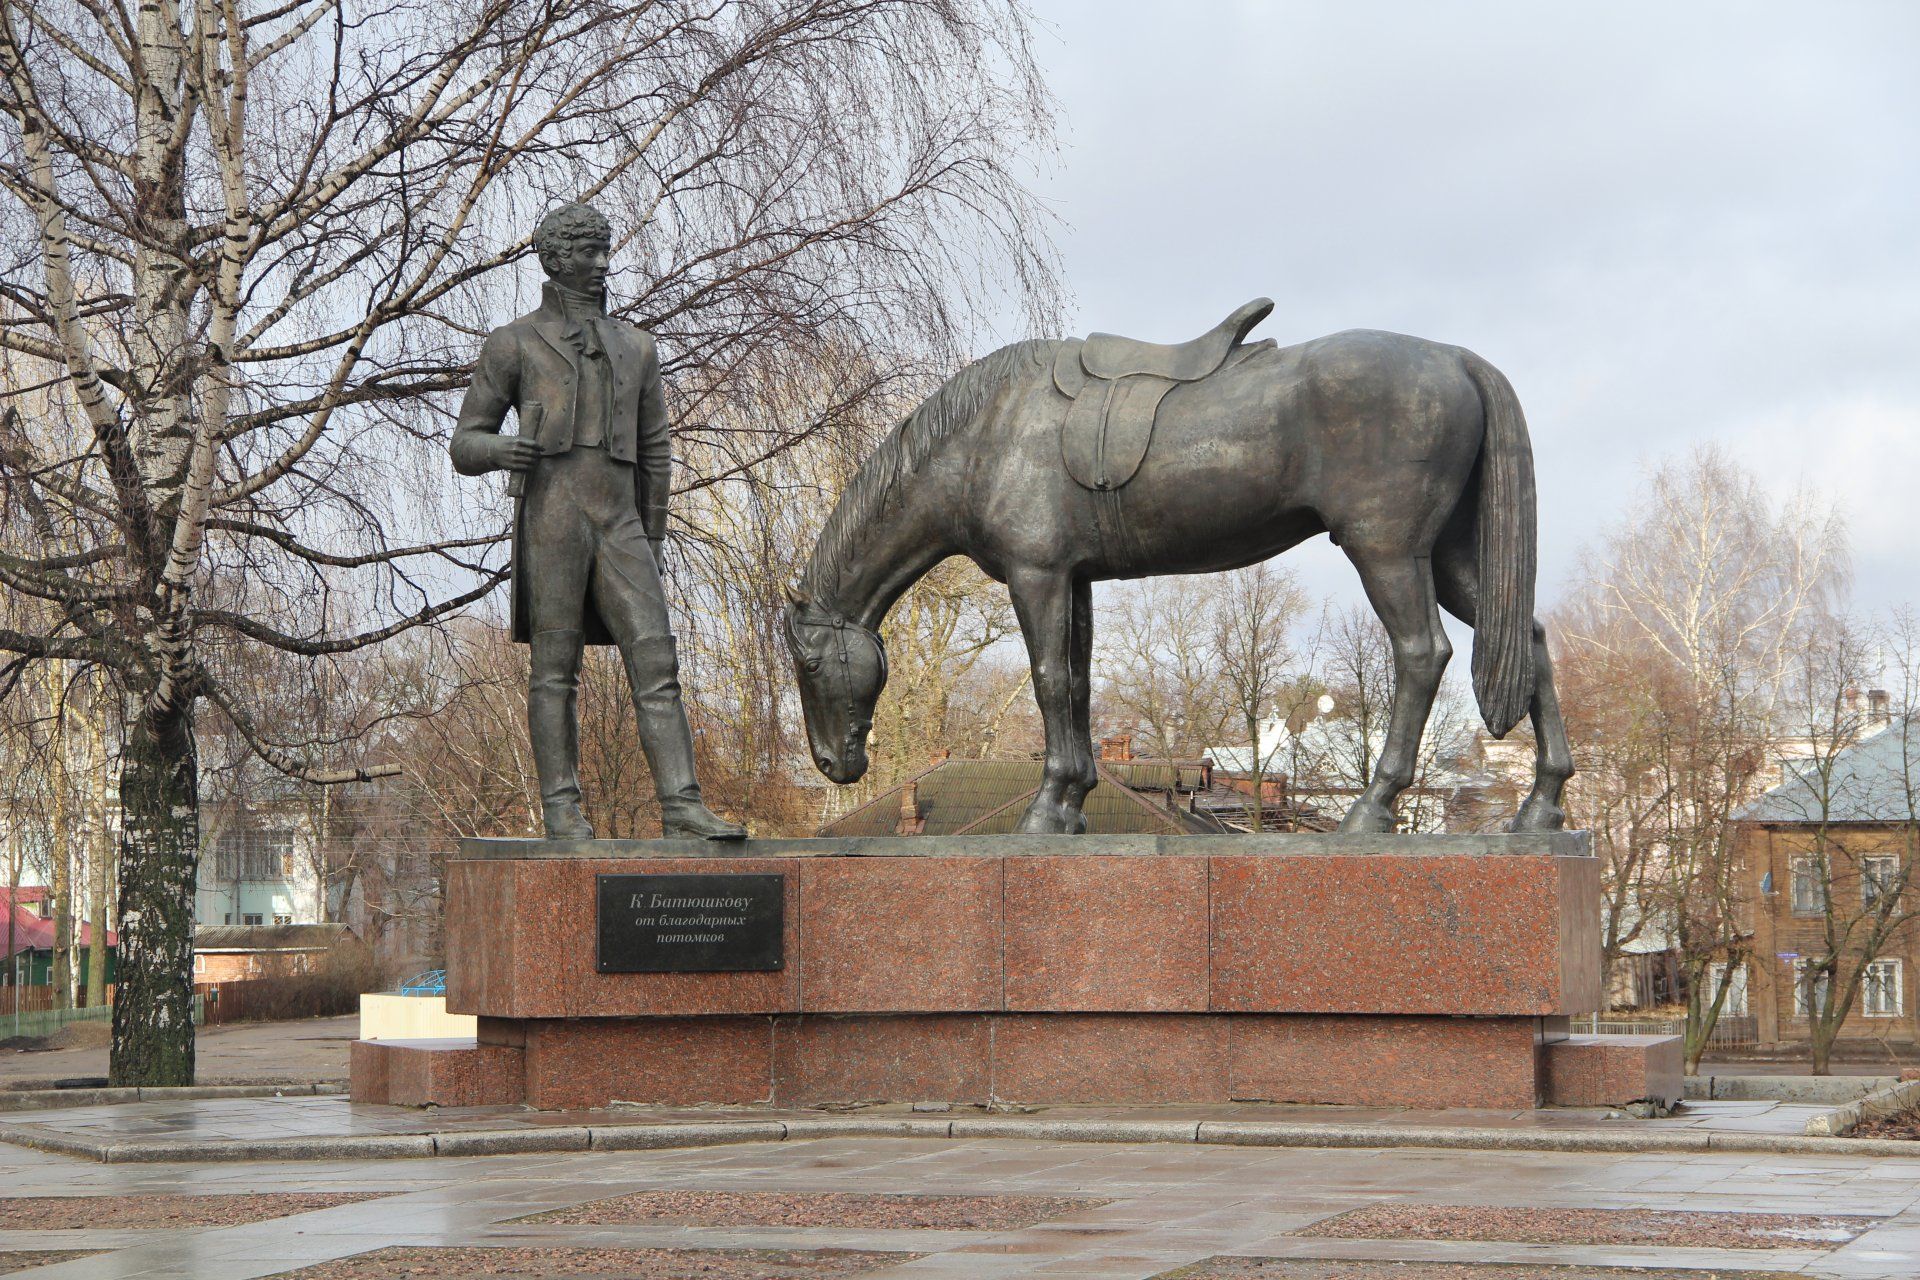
pixel 653 667
pixel 554 725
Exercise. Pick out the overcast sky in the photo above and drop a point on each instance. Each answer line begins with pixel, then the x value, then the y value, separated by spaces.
pixel 1667 223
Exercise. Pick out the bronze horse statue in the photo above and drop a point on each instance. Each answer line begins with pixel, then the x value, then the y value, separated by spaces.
pixel 1055 463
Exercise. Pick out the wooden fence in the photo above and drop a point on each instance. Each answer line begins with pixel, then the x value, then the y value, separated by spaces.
pixel 273 999
pixel 36 999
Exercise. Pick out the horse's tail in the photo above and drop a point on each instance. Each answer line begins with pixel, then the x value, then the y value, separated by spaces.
pixel 1509 555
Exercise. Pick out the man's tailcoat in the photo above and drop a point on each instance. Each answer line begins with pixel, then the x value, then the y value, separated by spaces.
pixel 532 362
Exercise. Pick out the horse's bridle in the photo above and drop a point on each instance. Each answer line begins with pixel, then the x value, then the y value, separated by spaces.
pixel 840 626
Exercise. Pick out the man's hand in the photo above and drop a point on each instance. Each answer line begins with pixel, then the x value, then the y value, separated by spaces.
pixel 515 453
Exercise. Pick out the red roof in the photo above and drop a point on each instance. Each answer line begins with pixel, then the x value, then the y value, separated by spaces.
pixel 30 932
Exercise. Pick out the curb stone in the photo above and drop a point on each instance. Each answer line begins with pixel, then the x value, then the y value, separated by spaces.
pixel 504 1142
pixel 1080 1130
pixel 874 1127
pixel 654 1137
pixel 1892 1100
pixel 63 1099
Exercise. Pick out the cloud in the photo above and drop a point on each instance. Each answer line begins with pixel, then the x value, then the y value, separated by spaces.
pixel 1667 224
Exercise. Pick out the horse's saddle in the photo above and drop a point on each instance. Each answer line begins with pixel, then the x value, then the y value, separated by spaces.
pixel 1116 385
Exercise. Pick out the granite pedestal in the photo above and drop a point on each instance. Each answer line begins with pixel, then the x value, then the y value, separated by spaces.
pixel 1432 971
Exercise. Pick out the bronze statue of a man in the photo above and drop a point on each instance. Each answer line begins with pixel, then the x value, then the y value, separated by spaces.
pixel 592 466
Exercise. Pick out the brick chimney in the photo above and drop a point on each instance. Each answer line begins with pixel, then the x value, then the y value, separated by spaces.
pixel 1879 707
pixel 939 756
pixel 910 823
pixel 1118 747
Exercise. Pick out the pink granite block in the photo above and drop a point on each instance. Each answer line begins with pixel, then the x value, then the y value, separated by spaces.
pixel 1610 1071
pixel 367 1072
pixel 822 1058
pixel 1388 934
pixel 900 935
pixel 1368 1061
pixel 593 994
pixel 1106 933
pixel 1582 978
pixel 501 941
pixel 592 1062
pixel 480 930
pixel 1110 1057
pixel 438 1073
pixel 523 941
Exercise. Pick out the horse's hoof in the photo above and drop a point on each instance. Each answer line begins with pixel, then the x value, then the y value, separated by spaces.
pixel 1042 819
pixel 1538 816
pixel 1366 817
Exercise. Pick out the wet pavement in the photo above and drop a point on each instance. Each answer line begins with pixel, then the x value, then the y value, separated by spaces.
pixel 253 1119
pixel 1151 1207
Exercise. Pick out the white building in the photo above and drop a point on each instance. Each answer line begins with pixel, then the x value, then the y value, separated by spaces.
pixel 258 873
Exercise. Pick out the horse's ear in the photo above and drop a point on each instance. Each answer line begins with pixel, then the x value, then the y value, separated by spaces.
pixel 796 597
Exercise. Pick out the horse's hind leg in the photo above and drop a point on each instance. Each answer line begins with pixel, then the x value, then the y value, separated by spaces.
pixel 1045 603
pixel 1401 588
pixel 1457 577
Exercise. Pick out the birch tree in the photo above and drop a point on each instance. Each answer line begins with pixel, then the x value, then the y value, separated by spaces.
pixel 1700 598
pixel 249 249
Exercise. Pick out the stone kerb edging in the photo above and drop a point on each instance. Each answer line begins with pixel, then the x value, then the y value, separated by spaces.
pixel 42 1099
pixel 650 1137
pixel 1890 1101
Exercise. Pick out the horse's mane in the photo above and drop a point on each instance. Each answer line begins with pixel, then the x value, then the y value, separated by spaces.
pixel 876 486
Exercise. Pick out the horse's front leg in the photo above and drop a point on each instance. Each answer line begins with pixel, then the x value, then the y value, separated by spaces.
pixel 1044 603
pixel 1080 654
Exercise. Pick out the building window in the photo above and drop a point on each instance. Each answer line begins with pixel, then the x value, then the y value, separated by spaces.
pixel 229 919
pixel 1879 876
pixel 1735 1005
pixel 251 917
pixel 1806 984
pixel 1880 990
pixel 1809 895
pixel 253 854
pixel 283 919
pixel 199 964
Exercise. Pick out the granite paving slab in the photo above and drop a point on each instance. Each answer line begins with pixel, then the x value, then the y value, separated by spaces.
pixel 1661 1228
pixel 124 1212
pixel 819 1209
pixel 473 1263
pixel 1229 1268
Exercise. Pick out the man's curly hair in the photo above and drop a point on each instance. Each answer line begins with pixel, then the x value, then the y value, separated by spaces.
pixel 565 229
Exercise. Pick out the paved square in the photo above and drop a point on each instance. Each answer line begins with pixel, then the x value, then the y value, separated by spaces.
pixel 1126 1211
